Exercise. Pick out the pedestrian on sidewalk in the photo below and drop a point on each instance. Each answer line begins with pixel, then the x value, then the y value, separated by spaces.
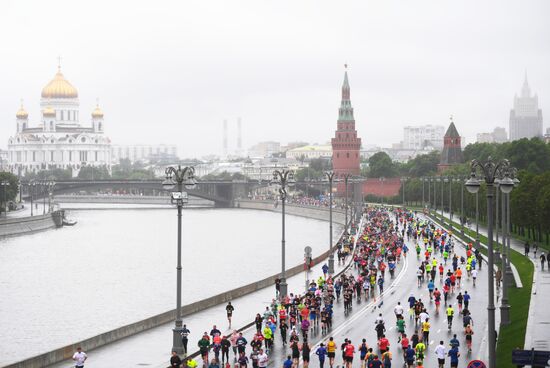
pixel 229 309
pixel 185 338
pixel 535 249
pixel 79 357
pixel 526 248
pixel 542 261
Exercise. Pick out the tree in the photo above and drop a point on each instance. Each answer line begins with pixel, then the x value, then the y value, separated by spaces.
pixel 381 165
pixel 422 165
pixel 94 173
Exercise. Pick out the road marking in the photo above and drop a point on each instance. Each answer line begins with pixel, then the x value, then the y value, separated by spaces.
pixel 364 309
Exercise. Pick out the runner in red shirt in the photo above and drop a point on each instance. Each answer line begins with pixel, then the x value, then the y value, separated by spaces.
pixel 383 344
pixel 348 354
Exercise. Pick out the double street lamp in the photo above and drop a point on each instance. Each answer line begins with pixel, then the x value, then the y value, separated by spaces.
pixel 491 171
pixel 179 177
pixel 330 178
pixel 5 184
pixel 283 178
pixel 346 177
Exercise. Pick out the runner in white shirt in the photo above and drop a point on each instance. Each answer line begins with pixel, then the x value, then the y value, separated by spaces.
pixel 263 359
pixel 440 353
pixel 79 357
pixel 423 317
pixel 474 276
pixel 398 310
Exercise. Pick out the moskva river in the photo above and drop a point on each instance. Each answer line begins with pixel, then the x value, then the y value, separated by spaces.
pixel 117 266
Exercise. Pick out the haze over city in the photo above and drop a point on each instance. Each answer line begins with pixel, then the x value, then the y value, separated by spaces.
pixel 169 71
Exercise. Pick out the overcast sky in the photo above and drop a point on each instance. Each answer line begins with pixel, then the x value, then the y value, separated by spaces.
pixel 172 71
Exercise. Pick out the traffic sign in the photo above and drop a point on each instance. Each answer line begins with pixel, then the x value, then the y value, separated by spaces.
pixel 476 364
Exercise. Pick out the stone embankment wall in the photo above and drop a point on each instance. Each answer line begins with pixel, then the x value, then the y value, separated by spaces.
pixel 319 213
pixel 127 199
pixel 25 225
pixel 108 337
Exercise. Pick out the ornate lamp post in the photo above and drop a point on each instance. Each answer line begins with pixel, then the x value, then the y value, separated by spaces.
pixel 179 177
pixel 32 184
pixel 443 179
pixel 283 178
pixel 346 178
pixel 490 171
pixel 450 178
pixel 423 181
pixel 5 184
pixel 330 178
pixel 403 181
pixel 429 180
pixel 382 180
pixel 505 266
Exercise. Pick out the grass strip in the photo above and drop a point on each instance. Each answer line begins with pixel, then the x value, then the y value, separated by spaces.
pixel 511 336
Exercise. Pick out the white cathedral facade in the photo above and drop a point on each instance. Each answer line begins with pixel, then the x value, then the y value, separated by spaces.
pixel 59 140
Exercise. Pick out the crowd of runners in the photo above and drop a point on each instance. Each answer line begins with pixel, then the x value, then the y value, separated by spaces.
pixel 374 253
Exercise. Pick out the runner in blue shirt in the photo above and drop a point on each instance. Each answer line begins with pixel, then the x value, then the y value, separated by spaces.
pixel 453 355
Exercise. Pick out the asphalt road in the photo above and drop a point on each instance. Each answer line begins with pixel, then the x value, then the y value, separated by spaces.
pixel 360 322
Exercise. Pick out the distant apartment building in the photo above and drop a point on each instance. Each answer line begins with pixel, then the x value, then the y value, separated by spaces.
pixel 547 136
pixel 134 153
pixel 498 135
pixel 264 149
pixel 525 117
pixel 310 152
pixel 419 137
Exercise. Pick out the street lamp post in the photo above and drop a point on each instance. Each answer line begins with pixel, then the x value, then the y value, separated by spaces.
pixel 490 171
pixel 179 177
pixel 497 251
pixel 462 217
pixel 505 267
pixel 5 184
pixel 403 181
pixel 477 221
pixel 32 184
pixel 451 203
pixel 382 180
pixel 346 178
pixel 423 182
pixel 443 179
pixel 44 190
pixel 330 178
pixel 283 178
pixel 429 180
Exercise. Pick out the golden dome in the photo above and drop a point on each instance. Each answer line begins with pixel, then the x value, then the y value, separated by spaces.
pixel 21 113
pixel 97 113
pixel 59 87
pixel 48 111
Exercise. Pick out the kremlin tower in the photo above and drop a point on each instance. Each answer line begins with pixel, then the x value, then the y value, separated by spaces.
pixel 346 145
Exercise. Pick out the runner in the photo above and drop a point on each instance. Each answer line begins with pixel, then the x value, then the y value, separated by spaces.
pixel 331 351
pixel 321 352
pixel 469 332
pixel 450 313
pixel 229 309
pixel 453 357
pixel 441 354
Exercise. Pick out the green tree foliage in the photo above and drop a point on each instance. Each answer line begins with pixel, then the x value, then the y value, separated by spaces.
pixel 532 155
pixel 11 190
pixel 315 170
pixel 381 165
pixel 93 173
pixel 52 174
pixel 136 171
pixel 422 165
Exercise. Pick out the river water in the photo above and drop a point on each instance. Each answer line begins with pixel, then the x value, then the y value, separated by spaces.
pixel 117 266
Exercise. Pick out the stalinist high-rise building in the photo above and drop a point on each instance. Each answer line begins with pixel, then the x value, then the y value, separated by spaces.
pixel 526 117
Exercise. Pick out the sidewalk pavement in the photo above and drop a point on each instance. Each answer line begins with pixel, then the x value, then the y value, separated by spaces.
pixel 537 335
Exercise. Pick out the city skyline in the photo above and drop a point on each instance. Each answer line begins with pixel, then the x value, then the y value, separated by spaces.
pixel 181 78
